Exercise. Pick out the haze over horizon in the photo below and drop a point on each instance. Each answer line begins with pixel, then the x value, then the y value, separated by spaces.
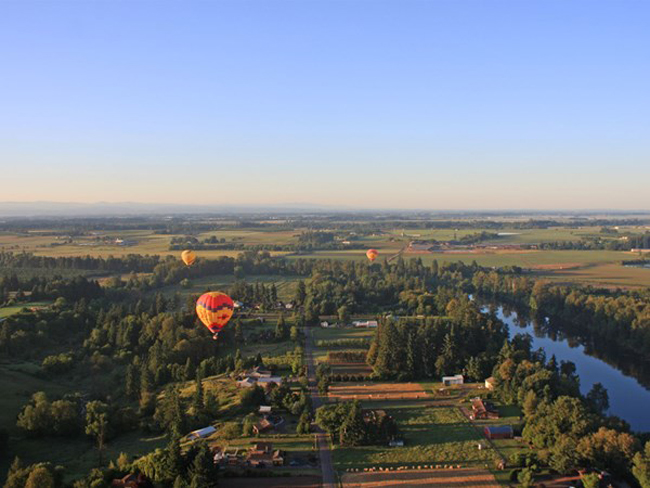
pixel 382 105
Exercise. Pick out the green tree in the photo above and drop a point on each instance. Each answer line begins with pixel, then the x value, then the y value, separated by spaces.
pixel 525 477
pixel 598 398
pixel 202 472
pixel 281 329
pixel 97 424
pixel 641 466
pixel 344 314
pixel 591 480
pixel 198 397
pixel 353 429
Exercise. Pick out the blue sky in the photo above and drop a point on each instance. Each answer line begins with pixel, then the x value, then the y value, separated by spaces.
pixel 402 104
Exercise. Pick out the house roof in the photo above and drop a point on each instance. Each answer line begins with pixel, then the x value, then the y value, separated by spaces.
pixel 203 432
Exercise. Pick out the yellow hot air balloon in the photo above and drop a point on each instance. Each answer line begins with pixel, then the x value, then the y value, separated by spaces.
pixel 214 310
pixel 372 254
pixel 188 257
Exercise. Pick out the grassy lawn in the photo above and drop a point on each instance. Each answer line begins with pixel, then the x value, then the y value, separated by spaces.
pixel 433 435
pixel 8 311
pixel 321 333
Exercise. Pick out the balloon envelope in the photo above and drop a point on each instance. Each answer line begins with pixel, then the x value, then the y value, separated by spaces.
pixel 214 309
pixel 188 257
pixel 372 254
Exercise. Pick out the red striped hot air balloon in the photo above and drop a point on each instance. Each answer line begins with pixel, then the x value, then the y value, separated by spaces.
pixel 372 254
pixel 214 310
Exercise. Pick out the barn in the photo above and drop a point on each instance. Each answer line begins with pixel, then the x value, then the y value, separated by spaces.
pixel 498 432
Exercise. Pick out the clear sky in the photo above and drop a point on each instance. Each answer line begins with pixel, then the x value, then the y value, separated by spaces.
pixel 402 104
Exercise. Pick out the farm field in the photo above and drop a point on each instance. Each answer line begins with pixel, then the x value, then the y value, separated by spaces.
pixel 285 285
pixel 445 478
pixel 300 481
pixel 376 391
pixel 432 435
pixel 596 267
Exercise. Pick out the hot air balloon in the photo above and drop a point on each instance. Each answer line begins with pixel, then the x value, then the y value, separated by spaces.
pixel 188 257
pixel 214 309
pixel 372 254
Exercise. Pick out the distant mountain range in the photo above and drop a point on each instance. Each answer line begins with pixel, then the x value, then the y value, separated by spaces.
pixel 108 209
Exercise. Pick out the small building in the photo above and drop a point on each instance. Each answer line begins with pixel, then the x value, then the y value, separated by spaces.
pixel 132 481
pixel 200 433
pixel 396 443
pixel 498 432
pixel 237 304
pixel 453 380
pixel 325 324
pixel 265 409
pixel 489 383
pixel 266 382
pixel 263 425
pixel 246 382
pixel 258 372
pixel 367 324
pixel 483 410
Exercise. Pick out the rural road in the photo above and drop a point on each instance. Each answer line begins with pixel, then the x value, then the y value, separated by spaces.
pixel 322 438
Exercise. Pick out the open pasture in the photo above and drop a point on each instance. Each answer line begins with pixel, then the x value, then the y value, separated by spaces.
pixel 445 478
pixel 377 391
pixel 285 285
pixel 432 435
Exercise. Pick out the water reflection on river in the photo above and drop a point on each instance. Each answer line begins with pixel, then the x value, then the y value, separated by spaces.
pixel 628 398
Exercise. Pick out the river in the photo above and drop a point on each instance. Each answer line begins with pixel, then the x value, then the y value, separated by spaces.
pixel 628 398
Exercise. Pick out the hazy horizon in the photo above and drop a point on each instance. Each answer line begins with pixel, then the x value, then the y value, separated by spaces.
pixel 372 105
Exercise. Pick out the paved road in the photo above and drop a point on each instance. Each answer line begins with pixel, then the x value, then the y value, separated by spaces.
pixel 322 438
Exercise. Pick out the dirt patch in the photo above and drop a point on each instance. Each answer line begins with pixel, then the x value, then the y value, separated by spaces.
pixel 276 482
pixel 425 477
pixel 378 391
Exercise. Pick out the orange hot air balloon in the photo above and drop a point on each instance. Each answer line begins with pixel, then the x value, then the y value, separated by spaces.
pixel 188 257
pixel 214 309
pixel 372 254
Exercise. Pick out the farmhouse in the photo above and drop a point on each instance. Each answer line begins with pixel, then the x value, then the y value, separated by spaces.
pixel 453 380
pixel 483 410
pixel 498 432
pixel 262 454
pixel 200 433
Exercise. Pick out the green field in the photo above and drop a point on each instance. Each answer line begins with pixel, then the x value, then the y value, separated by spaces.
pixel 285 285
pixel 433 435
pixel 14 309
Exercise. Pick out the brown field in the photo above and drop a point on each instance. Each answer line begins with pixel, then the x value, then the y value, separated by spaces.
pixel 277 482
pixel 424 477
pixel 377 391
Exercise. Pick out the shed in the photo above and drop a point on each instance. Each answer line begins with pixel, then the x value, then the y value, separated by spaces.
pixel 453 380
pixel 200 433
pixel 489 383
